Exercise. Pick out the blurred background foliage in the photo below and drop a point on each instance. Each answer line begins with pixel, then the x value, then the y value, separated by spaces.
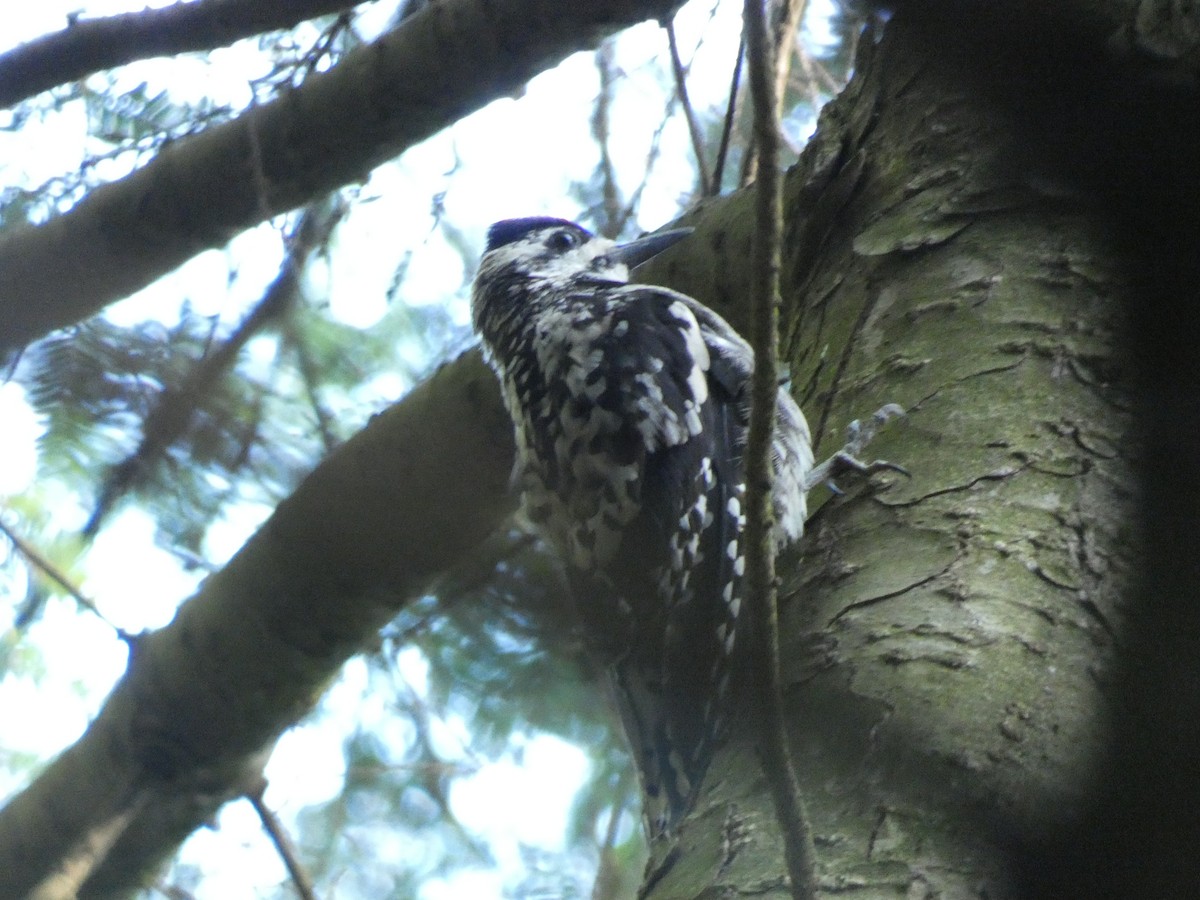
pixel 200 405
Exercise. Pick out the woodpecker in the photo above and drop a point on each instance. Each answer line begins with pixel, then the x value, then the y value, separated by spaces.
pixel 630 404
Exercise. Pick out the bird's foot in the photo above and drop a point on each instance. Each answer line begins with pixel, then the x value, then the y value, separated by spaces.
pixel 847 459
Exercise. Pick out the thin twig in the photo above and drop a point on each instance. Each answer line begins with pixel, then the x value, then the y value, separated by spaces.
pixel 760 550
pixel 607 873
pixel 283 844
pixel 310 377
pixel 635 198
pixel 810 87
pixel 789 16
pixel 817 74
pixel 176 408
pixel 55 574
pixel 730 115
pixel 782 35
pixel 431 777
pixel 611 224
pixel 688 113
pixel 323 47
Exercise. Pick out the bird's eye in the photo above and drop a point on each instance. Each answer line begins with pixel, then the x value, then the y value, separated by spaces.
pixel 562 240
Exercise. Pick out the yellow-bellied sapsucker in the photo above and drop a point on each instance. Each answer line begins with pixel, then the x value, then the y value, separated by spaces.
pixel 631 409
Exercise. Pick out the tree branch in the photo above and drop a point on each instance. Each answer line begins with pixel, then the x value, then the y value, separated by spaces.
pixel 760 547
pixel 789 15
pixel 609 218
pixel 87 46
pixel 284 845
pixel 182 732
pixel 43 564
pixel 680 72
pixel 730 115
pixel 445 61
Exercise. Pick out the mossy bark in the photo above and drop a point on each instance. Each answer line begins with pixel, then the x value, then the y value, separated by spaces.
pixel 949 640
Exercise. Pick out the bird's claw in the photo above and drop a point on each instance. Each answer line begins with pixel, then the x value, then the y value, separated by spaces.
pixel 846 459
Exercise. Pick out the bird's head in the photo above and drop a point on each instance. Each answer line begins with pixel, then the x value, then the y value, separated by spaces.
pixel 559 253
pixel 537 258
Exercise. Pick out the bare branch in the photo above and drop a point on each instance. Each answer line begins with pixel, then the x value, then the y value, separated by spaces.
pixel 387 512
pixel 86 46
pixel 730 117
pixel 443 62
pixel 773 745
pixel 284 846
pixel 688 113
pixel 652 154
pixel 788 17
pixel 610 226
pixel 310 377
pixel 607 881
pixel 44 565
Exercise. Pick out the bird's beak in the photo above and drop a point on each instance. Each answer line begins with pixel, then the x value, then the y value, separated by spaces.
pixel 637 252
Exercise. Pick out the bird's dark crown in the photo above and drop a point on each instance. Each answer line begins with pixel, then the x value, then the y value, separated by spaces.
pixel 509 231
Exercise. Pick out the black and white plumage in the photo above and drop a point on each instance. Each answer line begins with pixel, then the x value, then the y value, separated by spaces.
pixel 631 406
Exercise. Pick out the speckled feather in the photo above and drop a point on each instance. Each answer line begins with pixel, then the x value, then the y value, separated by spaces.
pixel 630 407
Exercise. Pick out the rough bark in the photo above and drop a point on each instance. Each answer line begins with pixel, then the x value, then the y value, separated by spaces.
pixel 449 59
pixel 955 644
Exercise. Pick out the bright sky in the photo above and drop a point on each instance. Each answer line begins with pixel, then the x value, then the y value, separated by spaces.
pixel 508 802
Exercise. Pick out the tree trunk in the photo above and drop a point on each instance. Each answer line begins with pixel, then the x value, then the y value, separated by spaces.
pixel 951 640
pixel 960 659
